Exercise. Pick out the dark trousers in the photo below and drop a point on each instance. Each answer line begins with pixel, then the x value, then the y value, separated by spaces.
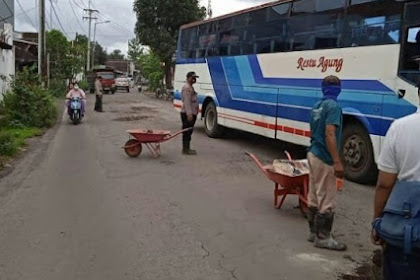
pixel 186 136
pixel 398 266
pixel 98 103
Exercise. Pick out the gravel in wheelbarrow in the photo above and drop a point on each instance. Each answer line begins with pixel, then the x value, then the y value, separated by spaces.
pixel 290 178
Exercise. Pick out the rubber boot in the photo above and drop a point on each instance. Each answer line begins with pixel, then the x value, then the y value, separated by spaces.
pixel 186 149
pixel 324 238
pixel 313 211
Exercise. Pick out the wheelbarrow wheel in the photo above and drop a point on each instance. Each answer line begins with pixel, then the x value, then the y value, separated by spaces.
pixel 133 148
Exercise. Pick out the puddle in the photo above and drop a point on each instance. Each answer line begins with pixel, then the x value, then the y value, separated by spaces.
pixel 369 270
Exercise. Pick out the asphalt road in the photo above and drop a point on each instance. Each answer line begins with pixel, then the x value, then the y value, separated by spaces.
pixel 76 207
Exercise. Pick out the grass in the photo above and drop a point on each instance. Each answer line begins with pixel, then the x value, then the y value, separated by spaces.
pixel 13 139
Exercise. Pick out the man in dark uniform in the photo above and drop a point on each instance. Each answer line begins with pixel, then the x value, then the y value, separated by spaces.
pixel 189 112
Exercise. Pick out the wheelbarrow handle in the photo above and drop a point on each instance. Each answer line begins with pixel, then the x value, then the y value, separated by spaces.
pixel 258 162
pixel 169 137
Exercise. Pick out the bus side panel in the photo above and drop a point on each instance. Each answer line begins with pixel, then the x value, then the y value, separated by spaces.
pixel 204 86
pixel 243 105
pixel 294 106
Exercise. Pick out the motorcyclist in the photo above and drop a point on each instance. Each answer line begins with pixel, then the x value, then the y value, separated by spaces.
pixel 76 92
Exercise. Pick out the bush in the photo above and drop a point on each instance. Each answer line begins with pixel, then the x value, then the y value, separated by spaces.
pixel 58 87
pixel 8 146
pixel 152 70
pixel 83 85
pixel 29 103
pixel 11 139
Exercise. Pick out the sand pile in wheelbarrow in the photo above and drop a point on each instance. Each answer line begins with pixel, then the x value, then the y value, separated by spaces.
pixel 289 168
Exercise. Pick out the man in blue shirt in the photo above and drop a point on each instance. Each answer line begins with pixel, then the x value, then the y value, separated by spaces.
pixel 325 165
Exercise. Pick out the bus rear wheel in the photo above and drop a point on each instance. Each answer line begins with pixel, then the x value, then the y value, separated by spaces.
pixel 211 126
pixel 357 154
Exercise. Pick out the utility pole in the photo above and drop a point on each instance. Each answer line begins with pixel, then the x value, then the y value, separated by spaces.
pixel 51 11
pixel 94 40
pixel 90 17
pixel 41 41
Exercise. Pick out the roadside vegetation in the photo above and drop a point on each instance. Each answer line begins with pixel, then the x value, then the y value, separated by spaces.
pixel 158 23
pixel 26 111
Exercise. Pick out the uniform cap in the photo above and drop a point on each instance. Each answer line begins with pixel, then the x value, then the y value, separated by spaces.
pixel 192 75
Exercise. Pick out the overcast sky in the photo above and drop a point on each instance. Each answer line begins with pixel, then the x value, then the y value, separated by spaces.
pixel 114 35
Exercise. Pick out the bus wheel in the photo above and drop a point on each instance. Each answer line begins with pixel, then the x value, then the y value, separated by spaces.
pixel 213 129
pixel 357 154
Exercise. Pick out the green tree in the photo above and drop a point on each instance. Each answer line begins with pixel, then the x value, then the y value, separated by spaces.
pixel 135 50
pixel 116 54
pixel 60 59
pixel 158 22
pixel 79 52
pixel 100 54
pixel 151 69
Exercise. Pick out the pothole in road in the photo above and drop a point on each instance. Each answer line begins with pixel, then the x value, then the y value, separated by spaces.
pixel 132 118
pixel 369 270
pixel 139 108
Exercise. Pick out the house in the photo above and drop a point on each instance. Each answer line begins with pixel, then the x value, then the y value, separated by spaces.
pixel 26 49
pixel 7 58
pixel 122 67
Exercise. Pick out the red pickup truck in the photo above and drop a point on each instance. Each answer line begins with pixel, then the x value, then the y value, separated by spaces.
pixel 107 77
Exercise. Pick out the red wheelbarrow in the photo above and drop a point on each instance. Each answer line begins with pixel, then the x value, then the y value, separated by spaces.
pixel 150 138
pixel 285 185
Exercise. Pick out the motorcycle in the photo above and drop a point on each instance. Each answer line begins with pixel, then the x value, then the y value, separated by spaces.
pixel 75 110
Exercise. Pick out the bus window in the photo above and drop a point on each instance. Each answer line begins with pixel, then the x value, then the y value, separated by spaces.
pixel 278 20
pixel 189 42
pixel 232 35
pixel 410 66
pixel 372 23
pixel 316 24
pixel 225 24
pixel 241 20
pixel 279 12
pixel 356 2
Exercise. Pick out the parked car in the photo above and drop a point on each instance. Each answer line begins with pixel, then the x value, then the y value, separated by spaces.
pixel 122 83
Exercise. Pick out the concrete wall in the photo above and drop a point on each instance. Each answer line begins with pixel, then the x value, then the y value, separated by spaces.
pixel 7 61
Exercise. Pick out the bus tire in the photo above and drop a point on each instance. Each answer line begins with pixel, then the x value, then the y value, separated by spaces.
pixel 357 154
pixel 211 126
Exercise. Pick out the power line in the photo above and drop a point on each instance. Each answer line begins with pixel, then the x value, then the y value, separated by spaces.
pixel 116 24
pixel 26 15
pixel 90 17
pixel 59 22
pixel 104 36
pixel 78 21
pixel 10 10
pixel 18 15
pixel 112 22
pixel 84 5
pixel 61 13
pixel 78 5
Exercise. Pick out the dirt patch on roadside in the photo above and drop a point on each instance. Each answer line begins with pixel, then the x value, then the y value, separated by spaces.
pixel 143 109
pixel 369 270
pixel 132 118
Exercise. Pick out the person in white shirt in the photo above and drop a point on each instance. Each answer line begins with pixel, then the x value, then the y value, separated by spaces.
pixel 399 160
pixel 76 92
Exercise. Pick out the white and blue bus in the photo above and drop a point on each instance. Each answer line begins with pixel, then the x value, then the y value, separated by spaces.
pixel 261 70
